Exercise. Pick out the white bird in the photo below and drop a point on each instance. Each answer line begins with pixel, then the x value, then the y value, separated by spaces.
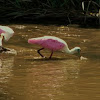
pixel 5 33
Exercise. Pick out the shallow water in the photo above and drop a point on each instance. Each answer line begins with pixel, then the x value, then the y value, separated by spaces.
pixel 27 76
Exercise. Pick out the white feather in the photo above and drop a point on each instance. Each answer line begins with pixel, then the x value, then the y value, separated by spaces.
pixel 8 32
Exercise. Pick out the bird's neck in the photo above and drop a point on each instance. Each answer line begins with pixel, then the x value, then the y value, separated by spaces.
pixel 67 50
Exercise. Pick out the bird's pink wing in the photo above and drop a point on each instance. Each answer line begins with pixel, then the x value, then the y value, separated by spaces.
pixel 51 44
pixel 35 41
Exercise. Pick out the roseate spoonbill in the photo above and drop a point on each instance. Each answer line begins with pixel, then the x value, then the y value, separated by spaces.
pixel 53 44
pixel 5 33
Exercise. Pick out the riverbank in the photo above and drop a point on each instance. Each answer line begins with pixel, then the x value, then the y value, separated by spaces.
pixel 50 12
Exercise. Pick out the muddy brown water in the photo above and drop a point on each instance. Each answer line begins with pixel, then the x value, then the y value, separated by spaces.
pixel 27 76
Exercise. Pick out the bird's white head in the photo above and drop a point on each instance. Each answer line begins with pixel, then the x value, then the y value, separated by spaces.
pixel 75 50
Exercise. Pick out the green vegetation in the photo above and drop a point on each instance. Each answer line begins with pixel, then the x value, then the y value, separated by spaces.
pixel 36 9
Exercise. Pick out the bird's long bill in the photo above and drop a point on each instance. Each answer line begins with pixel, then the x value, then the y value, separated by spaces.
pixel 79 54
pixel 1 38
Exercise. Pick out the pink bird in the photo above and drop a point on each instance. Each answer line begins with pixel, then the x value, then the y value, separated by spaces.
pixel 53 44
pixel 5 33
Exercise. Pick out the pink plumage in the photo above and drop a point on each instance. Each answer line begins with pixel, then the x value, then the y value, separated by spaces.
pixel 48 42
pixel 53 44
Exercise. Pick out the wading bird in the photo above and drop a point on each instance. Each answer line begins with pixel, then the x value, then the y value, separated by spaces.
pixel 5 34
pixel 53 44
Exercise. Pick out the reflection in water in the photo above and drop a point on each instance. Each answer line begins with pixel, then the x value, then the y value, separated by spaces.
pixel 6 64
pixel 42 79
pixel 26 76
pixel 72 70
pixel 5 68
pixel 49 79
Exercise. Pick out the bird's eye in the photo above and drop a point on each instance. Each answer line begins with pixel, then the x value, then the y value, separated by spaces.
pixel 78 50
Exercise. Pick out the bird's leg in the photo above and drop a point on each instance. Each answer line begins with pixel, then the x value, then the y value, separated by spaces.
pixel 39 52
pixel 51 55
